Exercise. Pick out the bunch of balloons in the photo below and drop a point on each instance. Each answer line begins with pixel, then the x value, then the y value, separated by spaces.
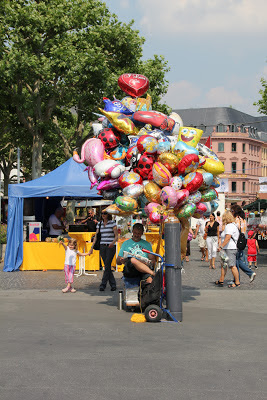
pixel 147 161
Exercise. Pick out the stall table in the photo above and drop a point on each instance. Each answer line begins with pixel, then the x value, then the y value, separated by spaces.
pixel 39 256
pixel 82 239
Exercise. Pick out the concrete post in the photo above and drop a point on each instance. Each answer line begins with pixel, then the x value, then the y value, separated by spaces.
pixel 172 235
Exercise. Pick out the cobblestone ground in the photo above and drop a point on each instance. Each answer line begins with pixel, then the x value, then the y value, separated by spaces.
pixel 196 276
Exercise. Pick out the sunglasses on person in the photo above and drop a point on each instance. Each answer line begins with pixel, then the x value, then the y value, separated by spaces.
pixel 104 213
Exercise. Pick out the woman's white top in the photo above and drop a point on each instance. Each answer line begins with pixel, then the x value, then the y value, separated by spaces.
pixel 70 256
pixel 230 229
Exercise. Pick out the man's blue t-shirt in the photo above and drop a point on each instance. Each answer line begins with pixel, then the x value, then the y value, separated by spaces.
pixel 135 248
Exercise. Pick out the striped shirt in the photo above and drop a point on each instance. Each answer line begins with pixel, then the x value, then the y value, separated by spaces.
pixel 107 233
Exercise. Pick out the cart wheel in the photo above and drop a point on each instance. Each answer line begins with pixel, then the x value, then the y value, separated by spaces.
pixel 153 313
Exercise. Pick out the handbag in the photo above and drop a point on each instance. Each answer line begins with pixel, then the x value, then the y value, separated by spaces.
pixel 189 237
pixel 98 239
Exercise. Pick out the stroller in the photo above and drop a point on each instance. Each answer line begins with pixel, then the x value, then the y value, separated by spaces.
pixel 147 296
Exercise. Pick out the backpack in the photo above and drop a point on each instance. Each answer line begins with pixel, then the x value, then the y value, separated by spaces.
pixel 150 293
pixel 241 241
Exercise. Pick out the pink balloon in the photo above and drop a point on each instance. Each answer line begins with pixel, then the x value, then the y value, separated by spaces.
pixel 92 152
pixel 108 184
pixel 182 196
pixel 156 218
pixel 92 177
pixel 151 207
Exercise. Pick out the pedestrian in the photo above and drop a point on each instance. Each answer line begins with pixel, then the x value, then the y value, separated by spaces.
pixel 70 263
pixel 253 249
pixel 189 238
pixel 227 243
pixel 109 236
pixel 219 220
pixel 199 234
pixel 213 236
pixel 241 261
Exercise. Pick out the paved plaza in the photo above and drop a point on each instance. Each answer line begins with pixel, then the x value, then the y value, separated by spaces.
pixel 65 346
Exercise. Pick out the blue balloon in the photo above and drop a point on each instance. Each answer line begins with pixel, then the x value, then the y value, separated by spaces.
pixel 116 106
pixel 182 146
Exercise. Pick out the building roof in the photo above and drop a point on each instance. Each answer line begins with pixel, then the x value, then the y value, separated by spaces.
pixel 207 118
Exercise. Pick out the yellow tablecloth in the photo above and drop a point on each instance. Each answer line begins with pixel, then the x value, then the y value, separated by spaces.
pixel 38 256
pixel 42 255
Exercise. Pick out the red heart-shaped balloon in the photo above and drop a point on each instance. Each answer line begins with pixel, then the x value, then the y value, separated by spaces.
pixel 133 84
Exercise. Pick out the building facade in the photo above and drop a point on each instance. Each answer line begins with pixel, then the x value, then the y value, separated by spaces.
pixel 237 143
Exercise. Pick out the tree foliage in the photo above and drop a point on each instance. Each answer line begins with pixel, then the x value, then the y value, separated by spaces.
pixel 262 103
pixel 63 55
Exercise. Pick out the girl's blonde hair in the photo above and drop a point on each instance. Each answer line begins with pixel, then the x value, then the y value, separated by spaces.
pixel 228 218
pixel 74 242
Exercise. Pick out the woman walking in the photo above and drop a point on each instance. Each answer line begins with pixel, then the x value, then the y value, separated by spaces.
pixel 229 239
pixel 241 224
pixel 213 235
pixel 109 236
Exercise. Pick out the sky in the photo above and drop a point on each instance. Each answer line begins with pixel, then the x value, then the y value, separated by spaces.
pixel 216 49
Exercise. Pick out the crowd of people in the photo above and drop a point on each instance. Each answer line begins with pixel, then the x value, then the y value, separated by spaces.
pixel 217 236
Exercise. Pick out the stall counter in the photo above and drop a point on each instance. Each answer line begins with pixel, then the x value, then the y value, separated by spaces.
pixel 39 256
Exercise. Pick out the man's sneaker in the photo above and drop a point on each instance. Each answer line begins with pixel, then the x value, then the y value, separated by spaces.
pixel 256 267
pixel 253 276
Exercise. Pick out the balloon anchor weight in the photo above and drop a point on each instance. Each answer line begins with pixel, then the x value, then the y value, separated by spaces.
pixel 173 269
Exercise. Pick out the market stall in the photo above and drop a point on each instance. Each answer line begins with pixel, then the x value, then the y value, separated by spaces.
pixel 68 180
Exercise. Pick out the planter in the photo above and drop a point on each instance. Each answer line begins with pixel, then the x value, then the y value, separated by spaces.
pixel 2 251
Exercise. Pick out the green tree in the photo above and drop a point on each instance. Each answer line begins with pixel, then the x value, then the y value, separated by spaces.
pixel 262 103
pixel 60 55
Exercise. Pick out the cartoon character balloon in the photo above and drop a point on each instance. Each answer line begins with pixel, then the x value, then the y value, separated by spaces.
pixel 189 135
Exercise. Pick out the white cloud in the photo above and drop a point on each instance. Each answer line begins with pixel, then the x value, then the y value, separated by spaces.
pixel 181 94
pixel 220 95
pixel 185 94
pixel 203 16
pixel 124 4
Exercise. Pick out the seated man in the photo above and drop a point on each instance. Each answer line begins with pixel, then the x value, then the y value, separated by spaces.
pixel 133 266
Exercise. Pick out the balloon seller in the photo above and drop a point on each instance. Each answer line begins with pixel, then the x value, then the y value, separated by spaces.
pixel 150 163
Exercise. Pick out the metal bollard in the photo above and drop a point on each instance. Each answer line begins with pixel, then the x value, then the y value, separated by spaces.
pixel 172 233
pixel 120 300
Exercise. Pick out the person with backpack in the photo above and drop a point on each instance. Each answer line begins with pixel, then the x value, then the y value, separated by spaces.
pixel 228 243
pixel 241 224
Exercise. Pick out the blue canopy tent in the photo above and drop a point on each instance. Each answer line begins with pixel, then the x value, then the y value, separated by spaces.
pixel 68 180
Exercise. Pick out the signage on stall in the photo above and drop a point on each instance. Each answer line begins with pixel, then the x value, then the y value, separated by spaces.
pixel 34 231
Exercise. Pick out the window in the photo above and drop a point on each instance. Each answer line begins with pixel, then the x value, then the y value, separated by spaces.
pixel 244 187
pixel 244 147
pixel 233 167
pixel 233 146
pixel 220 146
pixel 220 128
pixel 243 168
pixel 233 187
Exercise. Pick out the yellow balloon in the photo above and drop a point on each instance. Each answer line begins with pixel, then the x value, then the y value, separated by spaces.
pixel 121 122
pixel 152 192
pixel 169 160
pixel 144 104
pixel 190 136
pixel 213 166
pixel 114 210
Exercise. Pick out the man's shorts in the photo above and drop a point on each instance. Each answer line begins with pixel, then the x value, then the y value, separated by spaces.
pixel 201 241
